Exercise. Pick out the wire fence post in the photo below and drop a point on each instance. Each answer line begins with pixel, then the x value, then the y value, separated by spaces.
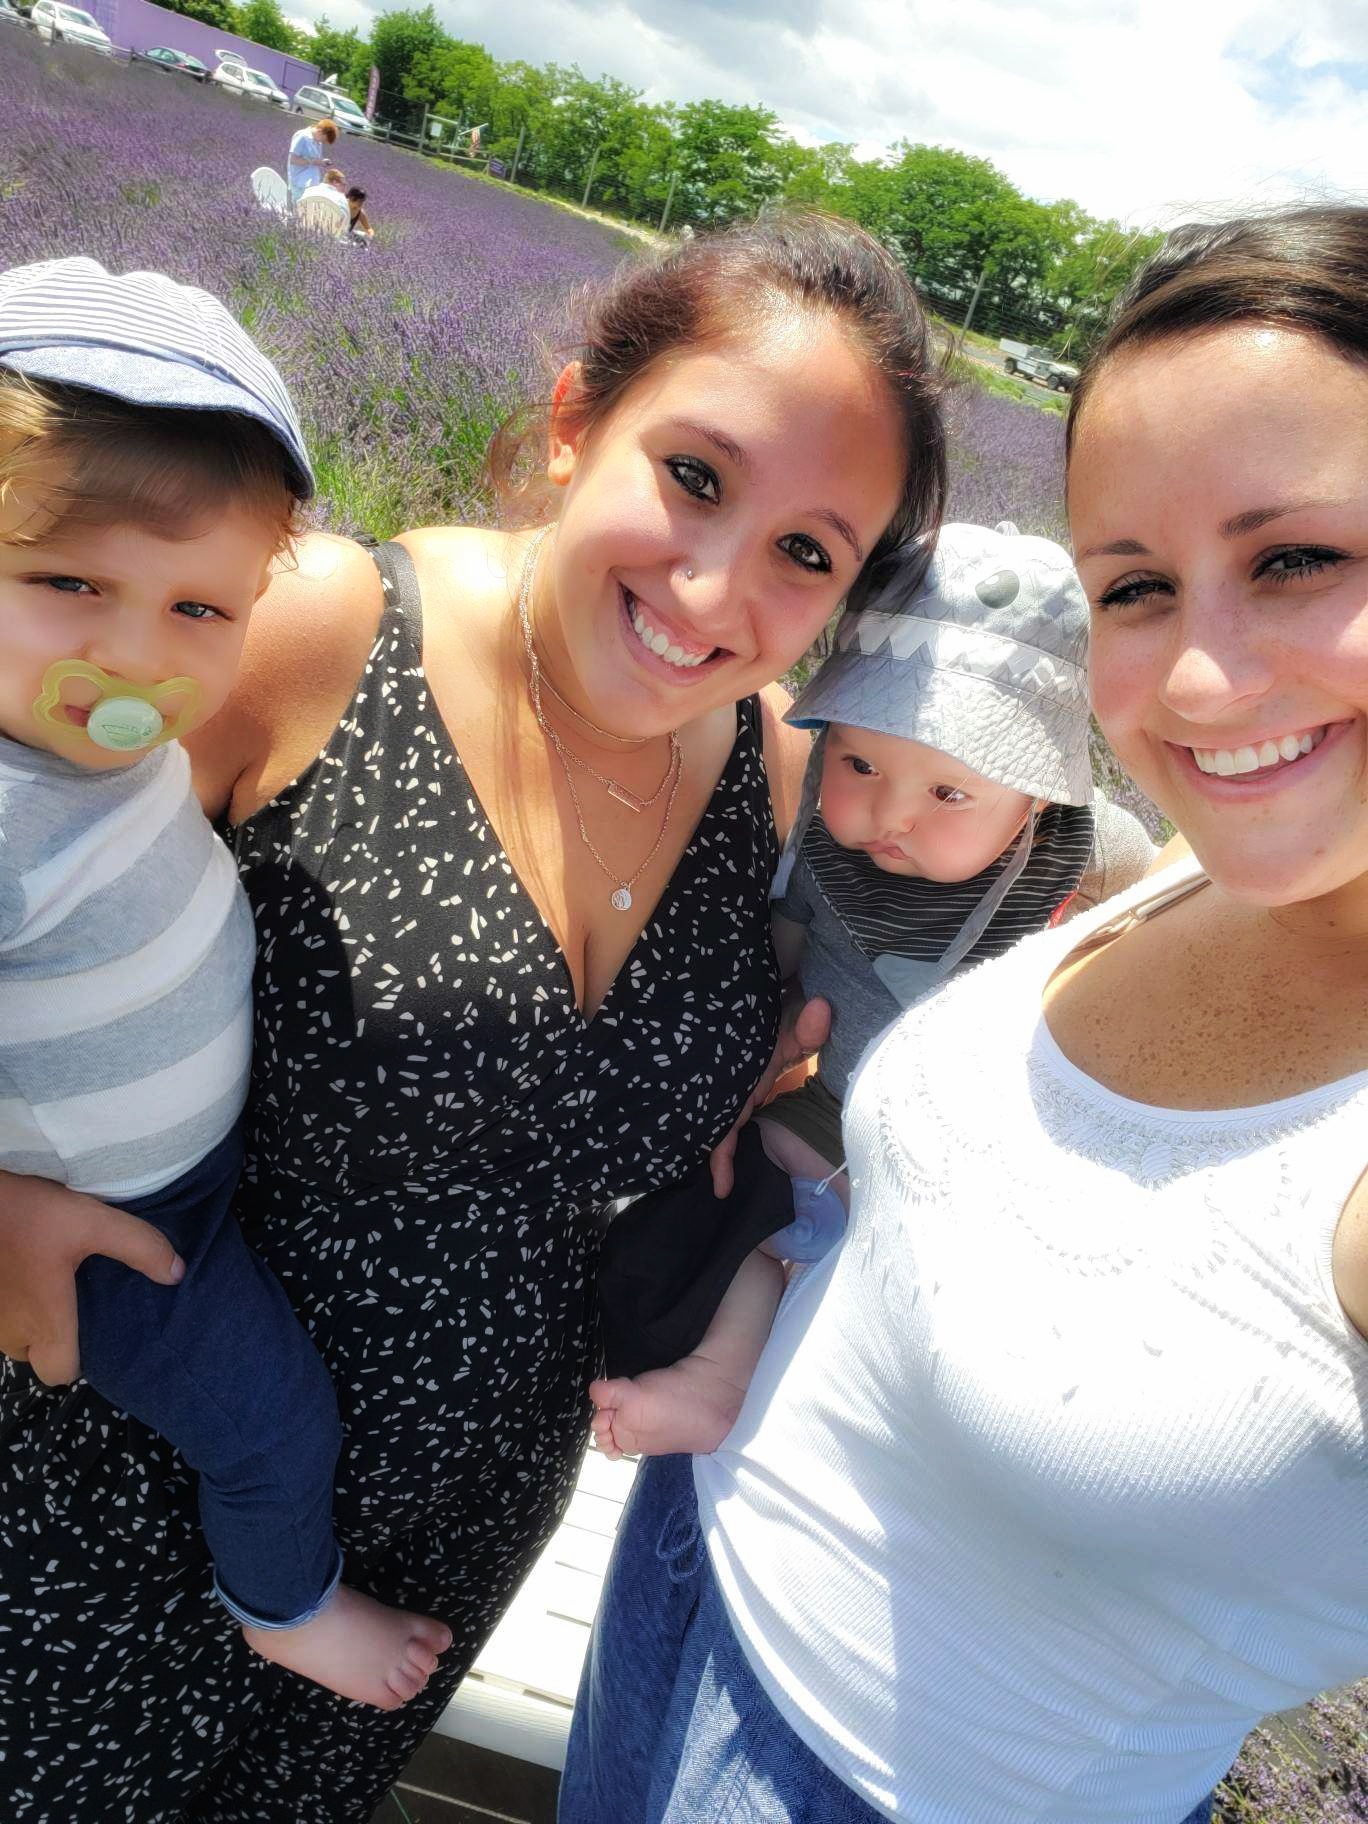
pixel 517 156
pixel 669 198
pixel 589 181
pixel 422 131
pixel 973 304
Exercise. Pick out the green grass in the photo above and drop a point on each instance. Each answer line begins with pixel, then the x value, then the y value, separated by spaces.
pixel 141 193
pixel 987 343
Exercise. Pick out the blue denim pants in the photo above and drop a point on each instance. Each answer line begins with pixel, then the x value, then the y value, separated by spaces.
pixel 221 1367
pixel 671 1725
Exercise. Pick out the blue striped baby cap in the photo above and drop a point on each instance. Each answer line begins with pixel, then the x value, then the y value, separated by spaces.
pixel 143 338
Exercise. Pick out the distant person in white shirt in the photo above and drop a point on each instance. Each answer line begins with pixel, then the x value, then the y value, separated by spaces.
pixel 332 191
pixel 310 156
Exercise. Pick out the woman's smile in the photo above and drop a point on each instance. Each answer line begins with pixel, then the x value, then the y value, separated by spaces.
pixel 1250 768
pixel 1260 756
pixel 661 637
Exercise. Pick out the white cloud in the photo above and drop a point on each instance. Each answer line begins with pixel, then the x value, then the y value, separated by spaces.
pixel 343 15
pixel 1149 110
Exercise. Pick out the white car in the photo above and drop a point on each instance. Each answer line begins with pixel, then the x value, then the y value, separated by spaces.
pixel 322 103
pixel 10 14
pixel 239 80
pixel 53 19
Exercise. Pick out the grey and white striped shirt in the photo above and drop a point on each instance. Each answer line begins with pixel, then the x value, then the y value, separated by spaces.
pixel 126 952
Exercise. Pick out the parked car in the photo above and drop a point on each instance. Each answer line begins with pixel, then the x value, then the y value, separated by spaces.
pixel 53 19
pixel 329 104
pixel 181 62
pixel 1038 364
pixel 11 14
pixel 239 80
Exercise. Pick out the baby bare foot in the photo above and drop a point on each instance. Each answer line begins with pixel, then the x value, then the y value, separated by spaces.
pixel 691 1405
pixel 358 1647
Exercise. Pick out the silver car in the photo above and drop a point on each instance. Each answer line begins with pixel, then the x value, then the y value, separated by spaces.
pixel 53 19
pixel 232 74
pixel 330 104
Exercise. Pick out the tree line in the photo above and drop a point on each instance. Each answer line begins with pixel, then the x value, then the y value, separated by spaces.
pixel 1046 272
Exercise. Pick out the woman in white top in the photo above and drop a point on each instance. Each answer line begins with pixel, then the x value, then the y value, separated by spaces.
pixel 1053 1479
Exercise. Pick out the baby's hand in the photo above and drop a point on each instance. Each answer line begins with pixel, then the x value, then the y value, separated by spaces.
pixel 803 1031
pixel 603 1422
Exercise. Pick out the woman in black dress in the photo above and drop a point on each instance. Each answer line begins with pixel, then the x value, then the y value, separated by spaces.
pixel 505 805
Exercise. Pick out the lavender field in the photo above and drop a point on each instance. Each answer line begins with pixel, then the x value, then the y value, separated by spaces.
pixel 402 357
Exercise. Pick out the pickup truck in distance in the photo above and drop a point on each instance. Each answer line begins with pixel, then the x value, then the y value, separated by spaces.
pixel 1038 364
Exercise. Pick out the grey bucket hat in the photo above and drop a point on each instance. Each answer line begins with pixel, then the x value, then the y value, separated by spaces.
pixel 980 653
pixel 143 338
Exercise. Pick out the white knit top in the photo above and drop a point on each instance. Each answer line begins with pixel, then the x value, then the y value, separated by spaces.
pixel 1053 1479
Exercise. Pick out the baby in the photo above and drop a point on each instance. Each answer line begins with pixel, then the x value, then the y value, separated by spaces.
pixel 151 467
pixel 948 810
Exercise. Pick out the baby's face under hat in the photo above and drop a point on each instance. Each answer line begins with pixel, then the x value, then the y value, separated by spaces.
pixel 980 652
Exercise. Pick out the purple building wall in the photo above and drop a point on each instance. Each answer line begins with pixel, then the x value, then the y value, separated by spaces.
pixel 137 25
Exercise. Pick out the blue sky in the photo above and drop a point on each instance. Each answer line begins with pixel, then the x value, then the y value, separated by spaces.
pixel 1152 111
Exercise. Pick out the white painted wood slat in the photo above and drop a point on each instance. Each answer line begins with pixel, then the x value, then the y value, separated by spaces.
pixel 518 1697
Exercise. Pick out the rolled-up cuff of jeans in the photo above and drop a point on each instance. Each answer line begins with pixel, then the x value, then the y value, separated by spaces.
pixel 249 1620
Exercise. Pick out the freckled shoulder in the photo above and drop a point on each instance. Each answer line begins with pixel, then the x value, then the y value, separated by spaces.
pixel 786 756
pixel 308 642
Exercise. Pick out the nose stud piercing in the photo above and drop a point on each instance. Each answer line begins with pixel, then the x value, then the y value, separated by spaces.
pixel 689 574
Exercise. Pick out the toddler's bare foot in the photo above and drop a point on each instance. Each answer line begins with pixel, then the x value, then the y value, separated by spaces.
pixel 691 1405
pixel 360 1648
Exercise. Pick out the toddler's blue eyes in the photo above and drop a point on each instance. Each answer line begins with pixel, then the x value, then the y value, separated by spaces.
pixel 77 585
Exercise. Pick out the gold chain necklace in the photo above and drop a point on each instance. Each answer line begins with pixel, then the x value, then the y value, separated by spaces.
pixel 604 734
pixel 621 897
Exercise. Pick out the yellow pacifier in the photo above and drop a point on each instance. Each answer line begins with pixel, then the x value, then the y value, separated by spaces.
pixel 123 717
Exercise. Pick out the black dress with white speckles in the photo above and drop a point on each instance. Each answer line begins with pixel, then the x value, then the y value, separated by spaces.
pixel 433 1125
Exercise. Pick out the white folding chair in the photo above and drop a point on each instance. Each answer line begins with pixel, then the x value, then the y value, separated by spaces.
pixel 270 190
pixel 324 214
